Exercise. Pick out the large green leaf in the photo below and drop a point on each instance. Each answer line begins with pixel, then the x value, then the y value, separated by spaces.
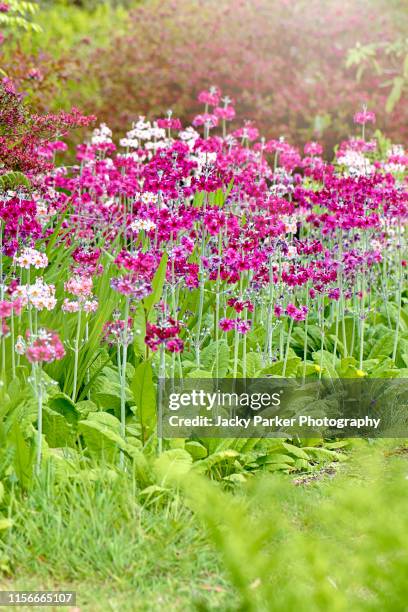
pixel 101 433
pixel 57 429
pixel 213 352
pixel 383 347
pixel 325 360
pixel 157 284
pixel 144 394
pixel 139 329
pixel 23 455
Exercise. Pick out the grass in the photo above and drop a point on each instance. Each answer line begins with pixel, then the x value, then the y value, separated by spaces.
pixel 335 542
pixel 96 539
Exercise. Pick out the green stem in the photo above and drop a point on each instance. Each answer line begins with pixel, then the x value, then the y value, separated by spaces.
pixel 76 356
pixel 123 379
pixel 287 348
pixel 399 296
pixel 39 394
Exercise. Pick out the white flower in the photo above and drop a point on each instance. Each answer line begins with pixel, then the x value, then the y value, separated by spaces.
pixel 148 197
pixel 101 135
pixel 40 295
pixel 31 257
pixel 356 163
pixel 20 346
pixel 290 224
pixel 143 224
pixel 189 134
pixel 292 252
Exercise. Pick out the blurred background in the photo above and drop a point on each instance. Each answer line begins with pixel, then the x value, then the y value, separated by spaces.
pixel 298 68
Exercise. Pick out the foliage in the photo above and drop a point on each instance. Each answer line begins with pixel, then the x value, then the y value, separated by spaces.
pixel 22 133
pixel 288 84
pixel 330 548
pixel 216 267
pixel 308 544
pixel 390 61
pixel 46 64
pixel 16 15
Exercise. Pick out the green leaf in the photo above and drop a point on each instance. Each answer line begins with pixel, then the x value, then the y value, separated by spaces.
pixel 253 363
pixel 295 450
pixel 213 352
pixel 144 393
pixel 199 374
pixel 395 94
pixel 139 329
pixel 101 433
pixel 323 454
pixel 6 523
pixel 325 360
pixel 106 390
pixel 218 458
pixel 157 284
pixel 172 464
pixel 199 199
pixel 278 458
pixel 383 346
pixel 57 430
pixel 153 492
pixel 11 180
pixel 276 369
pixel 23 456
pixel 196 450
pixel 85 407
pixel 63 404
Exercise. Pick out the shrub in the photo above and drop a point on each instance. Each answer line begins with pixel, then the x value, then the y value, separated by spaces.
pixel 286 61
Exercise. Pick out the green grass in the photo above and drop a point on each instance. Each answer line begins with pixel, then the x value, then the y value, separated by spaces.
pixel 336 542
pixel 97 539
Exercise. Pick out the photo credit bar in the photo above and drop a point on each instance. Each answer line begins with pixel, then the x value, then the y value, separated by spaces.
pixel 282 408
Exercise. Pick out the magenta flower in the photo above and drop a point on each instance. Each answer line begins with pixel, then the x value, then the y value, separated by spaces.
pixel 364 116
pixel 227 324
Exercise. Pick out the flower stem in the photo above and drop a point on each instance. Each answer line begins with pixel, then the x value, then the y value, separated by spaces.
pixel 123 380
pixel 287 348
pixel 76 356
pixel 39 394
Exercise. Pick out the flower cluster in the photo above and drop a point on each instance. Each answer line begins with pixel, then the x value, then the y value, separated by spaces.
pixel 31 257
pixel 166 333
pixel 81 288
pixel 44 347
pixel 236 232
pixel 39 295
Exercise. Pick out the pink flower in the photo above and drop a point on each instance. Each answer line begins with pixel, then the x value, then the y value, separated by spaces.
pixel 227 324
pixel 297 314
pixel 6 308
pixel 175 345
pixel 334 294
pixel 248 132
pixel 70 306
pixel 313 148
pixel 80 286
pixel 364 116
pixel 46 347
pixel 211 97
pixel 205 119
pixel 35 74
pixel 227 113
pixel 169 124
pixel 278 311
pixel 242 327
